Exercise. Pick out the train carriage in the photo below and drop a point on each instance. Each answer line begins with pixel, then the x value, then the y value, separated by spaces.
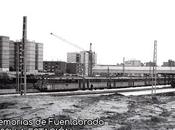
pixel 79 83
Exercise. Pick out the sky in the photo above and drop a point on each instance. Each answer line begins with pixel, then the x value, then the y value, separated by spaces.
pixel 116 28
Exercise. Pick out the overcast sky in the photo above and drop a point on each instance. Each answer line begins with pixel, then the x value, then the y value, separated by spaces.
pixel 117 28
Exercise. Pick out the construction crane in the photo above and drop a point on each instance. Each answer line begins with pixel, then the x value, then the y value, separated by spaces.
pixel 90 59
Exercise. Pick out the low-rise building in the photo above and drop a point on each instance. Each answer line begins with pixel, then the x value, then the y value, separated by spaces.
pixel 149 64
pixel 169 63
pixel 57 67
pixel 75 68
pixel 133 63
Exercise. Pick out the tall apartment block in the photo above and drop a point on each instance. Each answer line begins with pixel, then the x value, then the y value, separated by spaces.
pixel 81 58
pixel 39 56
pixel 9 55
pixel 73 57
pixel 85 60
pixel 12 55
pixel 74 65
pixel 30 56
pixel 4 53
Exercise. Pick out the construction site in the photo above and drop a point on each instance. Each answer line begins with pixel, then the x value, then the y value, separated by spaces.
pixel 113 111
pixel 101 98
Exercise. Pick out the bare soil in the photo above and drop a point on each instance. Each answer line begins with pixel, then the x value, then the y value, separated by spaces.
pixel 117 111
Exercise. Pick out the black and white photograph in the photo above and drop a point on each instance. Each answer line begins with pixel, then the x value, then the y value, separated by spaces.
pixel 87 65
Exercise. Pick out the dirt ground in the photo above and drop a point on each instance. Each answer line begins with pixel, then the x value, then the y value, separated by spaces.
pixel 116 112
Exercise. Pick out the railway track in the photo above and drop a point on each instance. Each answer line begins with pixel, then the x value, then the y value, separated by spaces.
pixel 124 91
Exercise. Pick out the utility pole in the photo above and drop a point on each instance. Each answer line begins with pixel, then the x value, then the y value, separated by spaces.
pixel 150 65
pixel 90 60
pixel 123 66
pixel 154 74
pixel 108 78
pixel 17 68
pixel 24 40
pixel 21 60
pixel 84 66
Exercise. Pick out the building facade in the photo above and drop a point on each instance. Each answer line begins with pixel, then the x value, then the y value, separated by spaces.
pixel 13 55
pixel 149 64
pixel 4 53
pixel 9 55
pixel 30 56
pixel 75 68
pixel 131 71
pixel 57 67
pixel 169 63
pixel 85 60
pixel 133 63
pixel 73 57
pixel 39 56
pixel 34 56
